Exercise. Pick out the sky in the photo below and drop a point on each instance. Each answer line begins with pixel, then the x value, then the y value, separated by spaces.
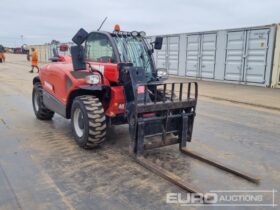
pixel 40 21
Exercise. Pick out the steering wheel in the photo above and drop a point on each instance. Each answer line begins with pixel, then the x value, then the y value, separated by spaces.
pixel 105 59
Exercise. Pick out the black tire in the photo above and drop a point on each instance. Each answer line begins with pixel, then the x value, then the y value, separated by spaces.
pixel 40 110
pixel 88 121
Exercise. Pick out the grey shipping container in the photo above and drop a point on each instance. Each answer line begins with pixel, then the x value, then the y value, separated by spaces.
pixel 168 56
pixel 242 55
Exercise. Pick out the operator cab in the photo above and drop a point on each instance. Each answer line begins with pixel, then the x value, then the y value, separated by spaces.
pixel 118 47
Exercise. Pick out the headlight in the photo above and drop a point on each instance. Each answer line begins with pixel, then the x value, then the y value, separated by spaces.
pixel 142 33
pixel 162 74
pixel 134 33
pixel 92 79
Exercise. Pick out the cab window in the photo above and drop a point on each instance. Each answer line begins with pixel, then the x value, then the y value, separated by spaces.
pixel 99 49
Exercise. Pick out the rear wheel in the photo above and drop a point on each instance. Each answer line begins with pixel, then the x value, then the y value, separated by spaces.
pixel 40 110
pixel 88 121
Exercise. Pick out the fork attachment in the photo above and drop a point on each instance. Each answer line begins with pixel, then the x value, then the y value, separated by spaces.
pixel 159 114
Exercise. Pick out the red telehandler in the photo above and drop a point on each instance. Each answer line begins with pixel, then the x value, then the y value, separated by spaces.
pixel 111 79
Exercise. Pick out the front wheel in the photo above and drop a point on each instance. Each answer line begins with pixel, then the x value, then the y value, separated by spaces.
pixel 40 110
pixel 88 121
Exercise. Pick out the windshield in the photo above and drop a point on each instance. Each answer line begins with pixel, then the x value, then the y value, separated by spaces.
pixel 133 50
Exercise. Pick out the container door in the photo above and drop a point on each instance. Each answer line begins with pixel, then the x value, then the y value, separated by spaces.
pixel 256 56
pixel 193 53
pixel 173 55
pixel 208 55
pixel 235 55
pixel 162 54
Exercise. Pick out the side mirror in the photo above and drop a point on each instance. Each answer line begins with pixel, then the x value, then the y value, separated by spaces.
pixel 78 58
pixel 162 74
pixel 80 36
pixel 158 42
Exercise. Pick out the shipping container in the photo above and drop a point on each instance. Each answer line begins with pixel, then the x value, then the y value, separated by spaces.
pixel 241 55
pixel 275 82
pixel 46 51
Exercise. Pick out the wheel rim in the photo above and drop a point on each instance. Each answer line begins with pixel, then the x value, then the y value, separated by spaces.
pixel 78 121
pixel 36 101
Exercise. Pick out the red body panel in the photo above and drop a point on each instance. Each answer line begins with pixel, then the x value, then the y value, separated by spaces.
pixel 65 58
pixel 117 103
pixel 109 70
pixel 54 75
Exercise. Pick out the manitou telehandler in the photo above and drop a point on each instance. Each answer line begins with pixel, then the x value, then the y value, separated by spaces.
pixel 111 79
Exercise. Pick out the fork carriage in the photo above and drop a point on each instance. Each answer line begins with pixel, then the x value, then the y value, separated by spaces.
pixel 159 114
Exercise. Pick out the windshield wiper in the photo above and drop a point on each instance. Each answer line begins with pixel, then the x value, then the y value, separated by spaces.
pixel 145 62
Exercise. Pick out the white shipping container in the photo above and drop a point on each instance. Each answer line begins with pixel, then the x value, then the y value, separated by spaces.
pixel 44 52
pixel 275 81
pixel 242 55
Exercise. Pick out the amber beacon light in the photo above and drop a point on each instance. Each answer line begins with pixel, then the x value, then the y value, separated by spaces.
pixel 117 27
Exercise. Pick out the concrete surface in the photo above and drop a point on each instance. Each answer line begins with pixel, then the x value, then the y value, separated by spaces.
pixel 41 167
pixel 250 95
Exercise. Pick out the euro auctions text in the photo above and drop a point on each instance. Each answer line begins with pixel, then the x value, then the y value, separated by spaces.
pixel 225 198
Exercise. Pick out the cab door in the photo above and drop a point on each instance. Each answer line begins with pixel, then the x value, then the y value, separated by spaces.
pixel 99 51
